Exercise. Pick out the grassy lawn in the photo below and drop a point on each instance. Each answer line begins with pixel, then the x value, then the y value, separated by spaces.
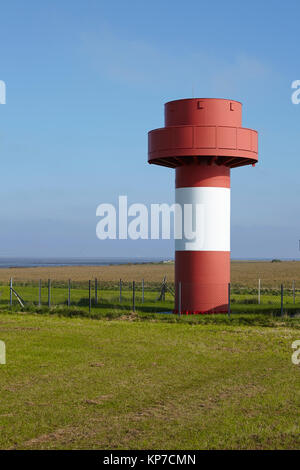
pixel 78 383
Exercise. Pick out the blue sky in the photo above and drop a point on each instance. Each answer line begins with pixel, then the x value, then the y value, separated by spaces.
pixel 86 80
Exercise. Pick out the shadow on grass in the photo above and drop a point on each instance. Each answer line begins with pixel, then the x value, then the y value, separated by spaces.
pixel 144 308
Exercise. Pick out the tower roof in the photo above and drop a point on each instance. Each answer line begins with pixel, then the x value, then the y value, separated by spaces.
pixel 203 129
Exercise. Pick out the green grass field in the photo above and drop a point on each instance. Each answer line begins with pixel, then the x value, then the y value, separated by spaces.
pixel 78 383
pixel 111 378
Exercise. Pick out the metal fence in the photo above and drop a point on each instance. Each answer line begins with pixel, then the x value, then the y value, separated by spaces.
pixel 149 296
pixel 92 294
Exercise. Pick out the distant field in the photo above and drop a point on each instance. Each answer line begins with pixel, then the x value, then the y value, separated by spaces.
pixel 150 272
pixel 243 273
pixel 247 273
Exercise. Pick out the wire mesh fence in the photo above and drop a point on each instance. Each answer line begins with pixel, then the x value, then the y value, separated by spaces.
pixel 139 295
pixel 93 294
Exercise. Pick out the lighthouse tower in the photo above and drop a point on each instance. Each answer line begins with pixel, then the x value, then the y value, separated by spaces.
pixel 203 139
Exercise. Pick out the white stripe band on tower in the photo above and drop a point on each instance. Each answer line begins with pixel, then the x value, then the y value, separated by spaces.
pixel 206 219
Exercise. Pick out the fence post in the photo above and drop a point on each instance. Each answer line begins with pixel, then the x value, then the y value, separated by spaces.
pixel 120 287
pixel 40 292
pixel 69 292
pixel 258 291
pixel 281 299
pixel 229 299
pixel 133 296
pixel 179 298
pixel 294 293
pixel 10 291
pixel 49 293
pixel 96 291
pixel 89 296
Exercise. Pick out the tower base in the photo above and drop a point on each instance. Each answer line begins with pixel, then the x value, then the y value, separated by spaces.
pixel 204 277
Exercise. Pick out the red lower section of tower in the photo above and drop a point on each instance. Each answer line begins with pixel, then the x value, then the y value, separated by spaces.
pixel 204 278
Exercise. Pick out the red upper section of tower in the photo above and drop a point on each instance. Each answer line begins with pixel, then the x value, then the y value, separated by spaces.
pixel 203 129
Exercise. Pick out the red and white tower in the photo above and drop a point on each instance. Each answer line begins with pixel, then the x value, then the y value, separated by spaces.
pixel 202 139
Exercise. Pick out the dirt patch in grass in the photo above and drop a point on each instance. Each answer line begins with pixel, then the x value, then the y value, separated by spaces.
pixel 98 400
pixel 58 435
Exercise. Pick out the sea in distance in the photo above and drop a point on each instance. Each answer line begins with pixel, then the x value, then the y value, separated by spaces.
pixel 35 262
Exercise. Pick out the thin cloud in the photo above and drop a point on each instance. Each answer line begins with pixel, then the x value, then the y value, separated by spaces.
pixel 243 72
pixel 138 63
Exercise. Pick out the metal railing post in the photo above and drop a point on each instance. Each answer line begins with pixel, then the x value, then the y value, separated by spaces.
pixel 49 293
pixel 133 296
pixel 40 292
pixel 96 291
pixel 69 292
pixel 90 300
pixel 294 293
pixel 10 291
